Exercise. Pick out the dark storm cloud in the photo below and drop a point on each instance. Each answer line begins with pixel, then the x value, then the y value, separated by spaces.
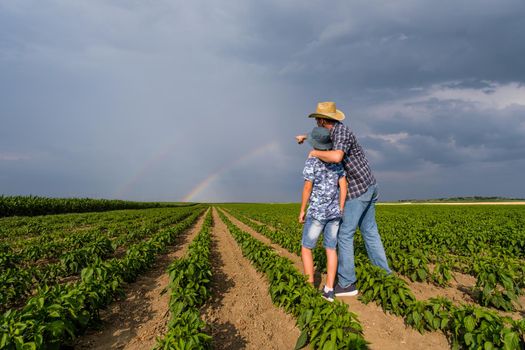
pixel 158 100
pixel 450 133
pixel 375 45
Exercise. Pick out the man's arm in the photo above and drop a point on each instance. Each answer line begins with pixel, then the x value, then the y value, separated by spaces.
pixel 334 156
pixel 307 190
pixel 343 189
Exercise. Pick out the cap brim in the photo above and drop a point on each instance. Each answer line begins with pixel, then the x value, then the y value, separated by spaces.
pixel 317 145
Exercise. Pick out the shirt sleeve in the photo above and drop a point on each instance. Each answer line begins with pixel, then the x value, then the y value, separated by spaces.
pixel 341 140
pixel 340 170
pixel 309 170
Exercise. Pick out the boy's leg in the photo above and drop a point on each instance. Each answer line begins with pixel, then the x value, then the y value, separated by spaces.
pixel 331 267
pixel 311 231
pixel 308 263
pixel 370 233
pixel 330 243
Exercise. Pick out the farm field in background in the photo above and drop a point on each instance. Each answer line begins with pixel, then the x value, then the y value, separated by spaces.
pixel 72 279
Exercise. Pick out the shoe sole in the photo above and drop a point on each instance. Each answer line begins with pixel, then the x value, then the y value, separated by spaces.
pixel 347 294
pixel 327 299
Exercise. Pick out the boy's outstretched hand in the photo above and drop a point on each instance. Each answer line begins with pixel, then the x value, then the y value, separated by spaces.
pixel 300 138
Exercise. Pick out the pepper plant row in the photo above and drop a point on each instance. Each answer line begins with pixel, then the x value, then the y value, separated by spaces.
pixel 22 228
pixel 53 241
pixel 466 326
pixel 189 290
pixel 55 315
pixel 18 282
pixel 323 325
pixel 412 247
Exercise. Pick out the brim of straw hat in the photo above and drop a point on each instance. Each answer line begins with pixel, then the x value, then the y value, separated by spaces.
pixel 338 115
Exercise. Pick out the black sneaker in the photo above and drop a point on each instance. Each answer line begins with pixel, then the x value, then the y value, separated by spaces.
pixel 349 291
pixel 328 295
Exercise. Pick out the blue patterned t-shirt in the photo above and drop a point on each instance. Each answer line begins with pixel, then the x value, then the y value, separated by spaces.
pixel 324 200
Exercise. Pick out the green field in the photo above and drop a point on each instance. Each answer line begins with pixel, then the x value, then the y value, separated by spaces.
pixel 58 271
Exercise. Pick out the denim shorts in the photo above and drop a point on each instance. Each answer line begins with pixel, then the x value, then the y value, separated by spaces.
pixel 312 229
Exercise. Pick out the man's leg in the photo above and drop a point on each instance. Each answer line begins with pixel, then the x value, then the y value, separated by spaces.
pixel 370 233
pixel 345 242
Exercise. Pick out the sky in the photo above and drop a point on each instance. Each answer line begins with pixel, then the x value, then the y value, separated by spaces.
pixel 173 100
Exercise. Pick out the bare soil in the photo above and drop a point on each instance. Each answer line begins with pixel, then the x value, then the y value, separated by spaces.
pixel 382 330
pixel 241 314
pixel 137 320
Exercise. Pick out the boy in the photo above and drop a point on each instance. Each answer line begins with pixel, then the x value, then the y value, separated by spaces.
pixel 325 210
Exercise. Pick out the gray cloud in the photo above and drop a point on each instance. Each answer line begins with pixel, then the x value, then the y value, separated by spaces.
pixel 148 100
pixel 391 45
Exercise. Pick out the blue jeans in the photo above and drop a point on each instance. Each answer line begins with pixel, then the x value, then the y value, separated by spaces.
pixel 359 212
pixel 312 229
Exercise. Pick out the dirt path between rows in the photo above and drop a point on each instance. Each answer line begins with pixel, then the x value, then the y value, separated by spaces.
pixel 382 330
pixel 135 322
pixel 241 314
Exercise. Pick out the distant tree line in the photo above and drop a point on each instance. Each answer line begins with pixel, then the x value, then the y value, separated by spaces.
pixel 465 199
pixel 35 205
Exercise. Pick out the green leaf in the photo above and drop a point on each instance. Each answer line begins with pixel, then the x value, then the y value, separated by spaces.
pixel 488 346
pixel 308 316
pixel 29 346
pixel 469 338
pixel 444 323
pixel 470 323
pixel 302 341
pixel 422 274
pixel 511 341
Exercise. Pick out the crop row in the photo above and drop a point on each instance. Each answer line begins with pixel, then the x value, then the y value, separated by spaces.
pixel 17 282
pixel 57 314
pixel 431 254
pixel 19 229
pixel 25 237
pixel 51 245
pixel 323 325
pixel 466 326
pixel 189 289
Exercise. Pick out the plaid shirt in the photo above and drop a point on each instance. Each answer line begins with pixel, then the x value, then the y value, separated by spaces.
pixel 358 173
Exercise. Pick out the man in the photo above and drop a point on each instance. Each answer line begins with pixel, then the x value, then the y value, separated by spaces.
pixel 359 210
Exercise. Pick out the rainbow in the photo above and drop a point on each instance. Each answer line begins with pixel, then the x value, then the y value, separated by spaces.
pixel 142 172
pixel 273 145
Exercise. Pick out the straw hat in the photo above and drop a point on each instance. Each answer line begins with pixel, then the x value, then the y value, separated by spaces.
pixel 327 110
